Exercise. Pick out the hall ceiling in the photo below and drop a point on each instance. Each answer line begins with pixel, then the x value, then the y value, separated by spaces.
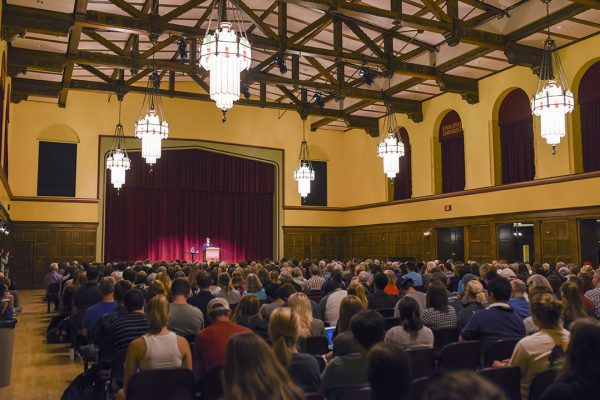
pixel 431 46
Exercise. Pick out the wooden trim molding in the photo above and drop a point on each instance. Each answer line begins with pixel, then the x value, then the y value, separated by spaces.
pixel 49 199
pixel 486 189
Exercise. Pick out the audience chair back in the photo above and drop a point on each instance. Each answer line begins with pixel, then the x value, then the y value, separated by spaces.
pixel 540 383
pixel 161 384
pixel 500 350
pixel 461 355
pixel 417 388
pixel 355 393
pixel 213 387
pixel 315 345
pixel 506 378
pixel 314 396
pixel 391 322
pixel 52 295
pixel 444 336
pixel 422 361
pixel 386 312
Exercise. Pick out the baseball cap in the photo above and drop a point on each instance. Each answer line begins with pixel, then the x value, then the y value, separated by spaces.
pixel 217 304
pixel 403 281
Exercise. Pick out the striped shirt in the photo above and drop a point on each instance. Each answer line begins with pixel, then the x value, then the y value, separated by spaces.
pixel 127 328
pixel 315 283
pixel 435 319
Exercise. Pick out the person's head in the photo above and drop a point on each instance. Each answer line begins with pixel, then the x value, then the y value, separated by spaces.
pixel 218 309
pixel 410 316
pixel 314 270
pixel 368 328
pixel 404 284
pixel 546 311
pixel 54 267
pixel 380 281
pixel 300 304
pixel 130 275
pixel 437 296
pixel 349 306
pixel 121 287
pixel 518 287
pixel 391 277
pixel 272 292
pixel 284 327
pixel 389 371
pixel 538 280
pixel 158 314
pixel 252 371
pixel 155 288
pixel 134 300
pixel 107 286
pixel 207 240
pixel 462 385
pixel 92 275
pixel 474 291
pixel 204 280
pixel 583 352
pixel 180 287
pixel 253 284
pixel 596 278
pixel 499 290
pixel 248 306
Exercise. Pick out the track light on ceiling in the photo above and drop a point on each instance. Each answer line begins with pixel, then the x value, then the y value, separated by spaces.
pixel 182 49
pixel 367 75
pixel 318 99
pixel 245 90
pixel 280 62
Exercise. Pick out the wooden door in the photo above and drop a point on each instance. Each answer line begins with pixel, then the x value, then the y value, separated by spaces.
pixel 21 265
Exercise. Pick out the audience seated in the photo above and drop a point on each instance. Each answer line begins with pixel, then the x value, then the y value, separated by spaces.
pixel 52 276
pixel 102 332
pixel 411 333
pixel 130 325
pixel 473 300
pixel 343 342
pixel 573 308
pixel 247 314
pixel 517 300
pixel 329 306
pixel 87 295
pixel 6 303
pixel 184 318
pixel 315 282
pixel 274 301
pixel 284 326
pixel 438 313
pixel 379 299
pixel 98 310
pixel 204 296
pixel 254 286
pixel 594 294
pixel 227 291
pixel 309 326
pixel 462 385
pixel 391 287
pixel 406 289
pixel 389 371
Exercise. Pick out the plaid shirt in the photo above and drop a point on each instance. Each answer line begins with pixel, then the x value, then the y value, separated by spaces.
pixel 594 296
pixel 315 283
pixel 435 319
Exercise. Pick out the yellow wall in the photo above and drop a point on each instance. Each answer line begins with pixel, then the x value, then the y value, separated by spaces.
pixel 355 172
pixel 4 190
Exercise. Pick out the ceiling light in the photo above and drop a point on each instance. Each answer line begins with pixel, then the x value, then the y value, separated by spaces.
pixel 305 173
pixel 152 126
pixel 390 148
pixel 118 161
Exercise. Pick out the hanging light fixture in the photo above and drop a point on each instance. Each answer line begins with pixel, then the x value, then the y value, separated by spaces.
pixel 305 172
pixel 118 161
pixel 390 148
pixel 152 127
pixel 225 53
pixel 553 99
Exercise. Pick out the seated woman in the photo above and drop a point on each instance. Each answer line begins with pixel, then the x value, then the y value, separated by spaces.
pixel 227 292
pixel 255 287
pixel 303 368
pixel 159 348
pixel 343 342
pixel 6 303
pixel 309 326
pixel 438 314
pixel 410 333
pixel 252 372
pixel 544 349
pixel 473 300
pixel 247 314
pixel 579 377
pixel 389 372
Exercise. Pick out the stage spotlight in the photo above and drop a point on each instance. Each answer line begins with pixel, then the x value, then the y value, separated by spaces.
pixel 181 49
pixel 318 99
pixel 245 90
pixel 280 62
pixel 367 75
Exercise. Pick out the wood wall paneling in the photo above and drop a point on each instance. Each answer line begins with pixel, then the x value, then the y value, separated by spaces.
pixel 481 242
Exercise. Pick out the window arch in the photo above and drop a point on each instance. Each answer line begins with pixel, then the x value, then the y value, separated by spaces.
pixel 451 138
pixel 589 113
pixel 403 181
pixel 516 138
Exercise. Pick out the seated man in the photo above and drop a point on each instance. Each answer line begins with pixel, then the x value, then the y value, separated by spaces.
pixel 98 310
pixel 131 325
pixel 184 318
pixel 405 288
pixel 380 299
pixel 210 344
pixel 498 321
pixel 200 301
pixel 517 301
pixel 102 333
pixel 350 371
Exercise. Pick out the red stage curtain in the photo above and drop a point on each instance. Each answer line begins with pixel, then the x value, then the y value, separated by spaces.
pixel 453 153
pixel 403 181
pixel 191 194
pixel 516 138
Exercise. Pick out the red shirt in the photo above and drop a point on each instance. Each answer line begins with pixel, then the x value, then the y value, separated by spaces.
pixel 210 345
pixel 391 289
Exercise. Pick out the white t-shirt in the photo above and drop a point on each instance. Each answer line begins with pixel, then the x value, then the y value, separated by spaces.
pixel 332 307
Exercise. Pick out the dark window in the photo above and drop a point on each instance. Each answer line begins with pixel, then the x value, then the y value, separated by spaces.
pixel 56 169
pixel 318 187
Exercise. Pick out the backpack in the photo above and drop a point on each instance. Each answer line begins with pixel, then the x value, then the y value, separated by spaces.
pixel 58 330
pixel 87 386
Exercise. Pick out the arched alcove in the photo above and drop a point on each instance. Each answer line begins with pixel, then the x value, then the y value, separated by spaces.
pixel 403 181
pixel 58 133
pixel 515 123
pixel 452 153
pixel 588 97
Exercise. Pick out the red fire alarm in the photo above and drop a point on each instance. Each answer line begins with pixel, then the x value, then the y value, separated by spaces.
pixel 447 207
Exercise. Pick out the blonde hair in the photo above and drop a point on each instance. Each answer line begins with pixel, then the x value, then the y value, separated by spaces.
pixel 474 291
pixel 165 279
pixel 253 284
pixel 283 329
pixel 158 314
pixel 391 277
pixel 361 293
pixel 300 304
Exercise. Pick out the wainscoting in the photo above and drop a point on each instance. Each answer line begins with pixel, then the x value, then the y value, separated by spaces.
pixel 556 237
pixel 35 245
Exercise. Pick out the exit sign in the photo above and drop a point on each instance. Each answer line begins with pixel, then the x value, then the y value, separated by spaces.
pixel 447 207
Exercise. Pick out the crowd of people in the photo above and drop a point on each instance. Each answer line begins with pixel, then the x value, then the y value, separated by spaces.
pixel 253 320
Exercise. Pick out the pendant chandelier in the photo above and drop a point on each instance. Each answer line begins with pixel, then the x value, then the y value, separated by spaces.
pixel 152 127
pixel 390 148
pixel 117 160
pixel 553 99
pixel 305 172
pixel 225 53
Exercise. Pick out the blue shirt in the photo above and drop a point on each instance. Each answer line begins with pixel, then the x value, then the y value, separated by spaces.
pixel 520 305
pixel 416 278
pixel 95 312
pixel 495 323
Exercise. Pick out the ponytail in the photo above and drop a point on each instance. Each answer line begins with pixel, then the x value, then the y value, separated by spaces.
pixel 282 351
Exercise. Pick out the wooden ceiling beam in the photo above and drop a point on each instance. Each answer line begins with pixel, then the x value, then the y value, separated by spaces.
pixel 128 8
pixel 180 10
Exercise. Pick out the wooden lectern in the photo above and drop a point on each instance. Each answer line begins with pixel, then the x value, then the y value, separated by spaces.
pixel 212 254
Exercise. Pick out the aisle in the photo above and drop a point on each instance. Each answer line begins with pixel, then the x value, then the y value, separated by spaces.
pixel 40 371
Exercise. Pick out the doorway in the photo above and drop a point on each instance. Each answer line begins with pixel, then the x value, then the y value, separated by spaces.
pixel 450 244
pixel 515 242
pixel 589 233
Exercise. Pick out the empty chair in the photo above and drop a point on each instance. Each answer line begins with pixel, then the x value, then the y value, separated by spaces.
pixel 52 295
pixel 460 355
pixel 353 393
pixel 417 388
pixel 500 350
pixel 540 383
pixel 161 384
pixel 316 345
pixel 213 389
pixel 422 361
pixel 391 322
pixel 386 312
pixel 507 378
pixel 444 336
